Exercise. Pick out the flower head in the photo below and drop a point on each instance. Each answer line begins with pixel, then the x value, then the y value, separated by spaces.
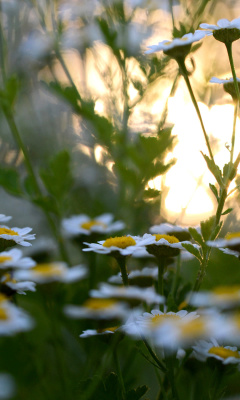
pixel 179 232
pixel 178 47
pixel 12 318
pixel 142 278
pixel 12 236
pixel 54 271
pixel 228 85
pixel 231 241
pixel 13 259
pixel 84 225
pixel 96 332
pixel 120 245
pixel 220 296
pixel 161 245
pixel 225 31
pixel 225 354
pixel 10 286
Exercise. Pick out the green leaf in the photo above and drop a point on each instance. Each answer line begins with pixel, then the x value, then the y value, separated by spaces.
pixel 151 193
pixel 193 250
pixel 227 211
pixel 136 394
pixel 229 171
pixel 207 227
pixel 30 186
pixel 214 190
pixel 216 231
pixel 47 203
pixel 215 170
pixel 196 236
pixel 10 181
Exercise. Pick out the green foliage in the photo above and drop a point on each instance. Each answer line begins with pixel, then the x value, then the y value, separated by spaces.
pixel 193 250
pixel 9 94
pixel 207 227
pixel 196 236
pixel 214 190
pixel 227 211
pixel 215 170
pixel 10 181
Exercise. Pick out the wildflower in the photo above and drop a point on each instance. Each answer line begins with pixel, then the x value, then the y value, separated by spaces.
pixel 98 309
pixel 84 225
pixel 12 318
pixel 231 241
pixel 10 286
pixel 13 258
pixel 143 278
pixel 4 218
pixel 225 31
pixel 178 47
pixel 173 230
pixel 54 271
pixel 121 245
pixel 11 237
pixel 220 296
pixel 225 354
pixel 96 332
pixel 228 85
pixel 130 294
pixel 163 245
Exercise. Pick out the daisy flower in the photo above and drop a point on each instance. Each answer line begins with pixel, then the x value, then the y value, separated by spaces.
pixel 177 47
pixel 228 85
pixel 54 271
pixel 163 245
pixel 96 332
pixel 13 319
pixel 225 354
pixel 121 245
pixel 231 241
pixel 11 237
pixel 225 31
pixel 221 296
pixel 84 225
pixel 10 286
pixel 98 309
pixel 144 277
pixel 13 258
pixel 131 294
pixel 173 230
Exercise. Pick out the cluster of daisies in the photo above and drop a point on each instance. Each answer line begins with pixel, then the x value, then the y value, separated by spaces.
pixel 134 302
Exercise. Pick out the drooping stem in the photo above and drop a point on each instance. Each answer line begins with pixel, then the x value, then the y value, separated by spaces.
pixel 184 73
pixel 230 56
pixel 122 264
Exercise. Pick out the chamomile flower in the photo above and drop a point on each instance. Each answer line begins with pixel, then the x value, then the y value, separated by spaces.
pixel 178 46
pixel 9 286
pixel 225 31
pixel 131 294
pixel 13 319
pixel 179 232
pixel 228 85
pixel 54 271
pixel 121 245
pixel 96 332
pixel 98 309
pixel 144 277
pixel 13 258
pixel 163 245
pixel 11 236
pixel 220 296
pixel 225 354
pixel 84 225
pixel 231 241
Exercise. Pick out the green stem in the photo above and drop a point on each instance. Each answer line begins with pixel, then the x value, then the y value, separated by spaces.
pixel 154 356
pixel 230 56
pixel 64 67
pixel 174 284
pixel 18 140
pixel 122 264
pixel 184 73
pixel 119 373
pixel 234 129
pixel 161 265
pixel 171 377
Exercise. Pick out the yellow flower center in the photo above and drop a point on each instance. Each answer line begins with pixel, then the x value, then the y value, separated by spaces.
pixel 8 278
pixel 223 353
pixel 122 242
pixel 170 239
pixel 47 270
pixel 232 235
pixel 7 231
pixel 228 292
pixel 4 258
pixel 160 318
pixel 3 314
pixel 89 224
pixel 193 328
pixel 98 304
pixel 184 39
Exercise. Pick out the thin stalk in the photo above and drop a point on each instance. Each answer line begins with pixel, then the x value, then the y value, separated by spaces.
pixel 171 377
pixel 236 105
pixel 184 73
pixel 119 373
pixel 175 279
pixel 122 265
pixel 161 265
pixel 165 110
pixel 20 143
pixel 171 11
pixel 2 48
pixel 64 67
pixel 154 356
pixel 230 56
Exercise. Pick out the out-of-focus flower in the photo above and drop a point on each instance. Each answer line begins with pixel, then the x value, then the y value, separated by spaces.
pixel 130 294
pixel 231 241
pixel 13 319
pixel 12 236
pixel 7 386
pixel 225 354
pixel 54 271
pixel 7 282
pixel 228 85
pixel 143 278
pixel 13 258
pixel 84 225
pixel 37 47
pixel 225 31
pixel 81 39
pixel 173 230
pixel 177 47
pixel 96 332
pixel 221 296
pixel 4 218
pixel 98 309
pixel 121 245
